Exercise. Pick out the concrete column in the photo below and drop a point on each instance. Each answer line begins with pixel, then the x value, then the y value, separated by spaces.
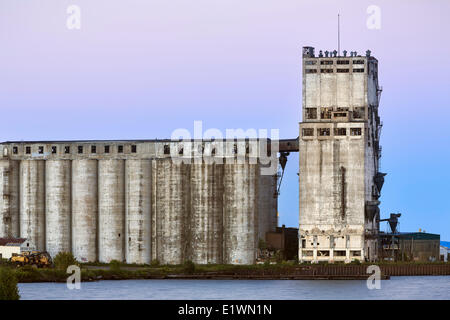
pixel 347 256
pixel 240 213
pixel 84 209
pixel 138 211
pixel 206 221
pixel 9 198
pixel 111 203
pixel 171 211
pixel 32 203
pixel 58 206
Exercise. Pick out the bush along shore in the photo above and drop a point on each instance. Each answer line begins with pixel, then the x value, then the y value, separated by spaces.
pixel 284 270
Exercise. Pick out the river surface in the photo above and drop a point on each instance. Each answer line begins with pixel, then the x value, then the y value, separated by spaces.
pixel 428 287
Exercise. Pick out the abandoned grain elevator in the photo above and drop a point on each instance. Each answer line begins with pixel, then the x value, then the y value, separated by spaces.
pixel 339 148
pixel 130 201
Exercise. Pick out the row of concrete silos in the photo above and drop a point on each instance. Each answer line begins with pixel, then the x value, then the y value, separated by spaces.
pixel 138 210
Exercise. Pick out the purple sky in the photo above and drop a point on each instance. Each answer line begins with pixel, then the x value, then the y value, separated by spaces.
pixel 140 69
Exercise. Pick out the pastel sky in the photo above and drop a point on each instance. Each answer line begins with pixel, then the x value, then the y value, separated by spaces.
pixel 141 69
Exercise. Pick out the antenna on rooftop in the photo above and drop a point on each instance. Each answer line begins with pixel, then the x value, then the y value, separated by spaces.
pixel 339 36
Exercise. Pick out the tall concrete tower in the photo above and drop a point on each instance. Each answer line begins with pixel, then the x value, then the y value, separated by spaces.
pixel 339 150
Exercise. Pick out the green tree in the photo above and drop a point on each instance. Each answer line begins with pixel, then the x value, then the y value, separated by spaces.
pixel 8 285
pixel 64 260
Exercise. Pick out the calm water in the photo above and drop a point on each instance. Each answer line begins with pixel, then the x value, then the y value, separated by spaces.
pixel 431 287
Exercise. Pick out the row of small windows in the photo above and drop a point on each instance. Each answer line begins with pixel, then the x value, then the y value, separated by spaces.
pixel 330 62
pixel 327 112
pixel 325 132
pixel 356 70
pixel 80 149
pixel 213 151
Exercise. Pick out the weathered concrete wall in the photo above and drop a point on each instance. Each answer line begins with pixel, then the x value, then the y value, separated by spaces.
pixel 32 202
pixel 85 209
pixel 267 203
pixel 206 222
pixel 337 161
pixel 133 203
pixel 58 206
pixel 171 236
pixel 240 213
pixel 111 208
pixel 9 193
pixel 138 211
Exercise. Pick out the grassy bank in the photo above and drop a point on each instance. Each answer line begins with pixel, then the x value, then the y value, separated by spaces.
pixel 120 271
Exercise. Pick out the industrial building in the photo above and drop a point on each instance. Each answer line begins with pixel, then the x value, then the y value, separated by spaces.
pixel 134 201
pixel 410 246
pixel 339 147
pixel 140 201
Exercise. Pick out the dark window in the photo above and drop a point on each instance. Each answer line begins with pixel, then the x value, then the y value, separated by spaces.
pixel 326 62
pixel 106 149
pixel 166 149
pixel 28 150
pixel 133 148
pixel 358 61
pixel 342 70
pixel 120 149
pixel 326 70
pixel 325 113
pixel 53 149
pixel 311 113
pixel 80 149
pixel 213 152
pixel 310 62
pixel 40 149
pixel 359 112
pixel 311 70
pixel 66 149
pixel 340 114
pixel 180 152
pixel 324 131
pixel 15 150
pixel 340 131
pixel 343 62
pixel 358 70
pixel 355 131
pixel 339 253
pixel 308 132
pixel 93 149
